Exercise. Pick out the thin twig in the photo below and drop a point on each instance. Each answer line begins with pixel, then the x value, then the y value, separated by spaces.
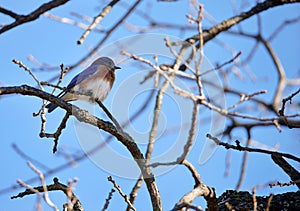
pixel 29 71
pixel 285 23
pixel 134 191
pixel 248 149
pixel 121 192
pixel 73 202
pixel 45 83
pixel 245 97
pixel 218 67
pixel 102 41
pixel 287 168
pixel 42 111
pixel 30 189
pixel 20 19
pixel 225 112
pixel 187 145
pixel 70 21
pixel 282 184
pixel 45 189
pixel 156 113
pixel 96 20
pixel 186 149
pixel 201 49
pixel 277 125
pixel 179 56
pixel 167 69
pixel 26 157
pixel 254 199
pixel 244 162
pixel 54 187
pixel 107 200
pixel 59 130
pixel 192 132
pixel 228 23
pixel 57 133
pixel 118 126
pixel 289 98
pixel 281 82
pixel 63 71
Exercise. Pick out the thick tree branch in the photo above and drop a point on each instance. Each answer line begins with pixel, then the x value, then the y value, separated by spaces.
pixel 83 156
pixel 287 168
pixel 200 189
pixel 227 24
pixel 20 19
pixel 10 13
pixel 84 116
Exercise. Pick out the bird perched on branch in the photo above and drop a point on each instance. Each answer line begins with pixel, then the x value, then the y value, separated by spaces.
pixel 95 82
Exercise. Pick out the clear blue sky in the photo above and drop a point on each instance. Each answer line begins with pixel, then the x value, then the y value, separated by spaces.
pixel 54 43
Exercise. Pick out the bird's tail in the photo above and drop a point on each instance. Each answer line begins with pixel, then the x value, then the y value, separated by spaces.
pixel 51 107
pixel 66 96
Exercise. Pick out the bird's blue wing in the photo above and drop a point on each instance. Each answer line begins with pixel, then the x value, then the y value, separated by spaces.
pixel 76 80
pixel 82 76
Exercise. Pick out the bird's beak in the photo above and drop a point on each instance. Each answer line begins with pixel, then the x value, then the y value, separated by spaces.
pixel 116 67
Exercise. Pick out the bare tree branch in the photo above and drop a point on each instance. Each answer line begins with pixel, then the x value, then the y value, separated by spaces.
pixel 27 157
pixel 10 13
pixel 289 98
pixel 96 20
pixel 110 194
pixel 116 123
pixel 116 186
pixel 248 149
pixel 54 187
pixel 38 190
pixel 57 133
pixel 84 116
pixel 102 41
pixel 227 24
pixel 134 191
pixel 244 162
pixel 200 189
pixel 287 168
pixel 90 152
pixel 245 111
pixel 20 19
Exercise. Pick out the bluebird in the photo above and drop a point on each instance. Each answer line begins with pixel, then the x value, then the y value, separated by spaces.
pixel 96 80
